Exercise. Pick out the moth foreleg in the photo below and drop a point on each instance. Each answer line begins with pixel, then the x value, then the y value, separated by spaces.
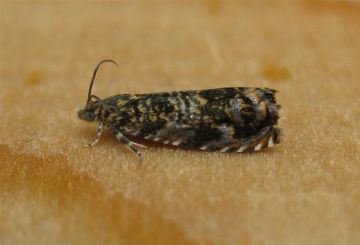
pixel 138 145
pixel 98 134
pixel 129 144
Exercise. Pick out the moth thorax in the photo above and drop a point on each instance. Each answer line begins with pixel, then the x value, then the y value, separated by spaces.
pixel 109 117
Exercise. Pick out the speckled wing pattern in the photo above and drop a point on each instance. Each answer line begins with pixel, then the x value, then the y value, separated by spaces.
pixel 224 119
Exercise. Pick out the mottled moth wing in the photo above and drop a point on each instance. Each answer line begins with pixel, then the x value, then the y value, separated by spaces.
pixel 226 119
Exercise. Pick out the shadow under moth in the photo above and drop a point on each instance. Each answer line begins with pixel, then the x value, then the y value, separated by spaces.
pixel 235 119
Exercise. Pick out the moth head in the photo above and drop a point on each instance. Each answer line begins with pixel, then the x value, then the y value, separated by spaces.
pixel 94 104
pixel 92 109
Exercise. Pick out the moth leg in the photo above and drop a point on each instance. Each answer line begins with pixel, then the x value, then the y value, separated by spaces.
pixel 129 144
pixel 98 134
pixel 139 145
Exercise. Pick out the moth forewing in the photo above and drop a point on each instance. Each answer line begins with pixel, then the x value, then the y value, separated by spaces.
pixel 223 120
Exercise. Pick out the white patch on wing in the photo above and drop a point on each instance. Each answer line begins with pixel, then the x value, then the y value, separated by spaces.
pixel 241 149
pixel 270 142
pixel 182 103
pixel 176 143
pixel 258 147
pixel 225 149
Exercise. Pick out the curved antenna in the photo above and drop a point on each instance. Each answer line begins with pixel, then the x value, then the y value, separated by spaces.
pixel 94 75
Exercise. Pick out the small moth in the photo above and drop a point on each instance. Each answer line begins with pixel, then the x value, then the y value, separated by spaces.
pixel 224 120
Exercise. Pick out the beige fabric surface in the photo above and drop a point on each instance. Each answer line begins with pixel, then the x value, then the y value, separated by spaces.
pixel 54 190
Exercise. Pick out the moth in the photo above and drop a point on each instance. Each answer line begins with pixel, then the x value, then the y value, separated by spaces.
pixel 233 119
